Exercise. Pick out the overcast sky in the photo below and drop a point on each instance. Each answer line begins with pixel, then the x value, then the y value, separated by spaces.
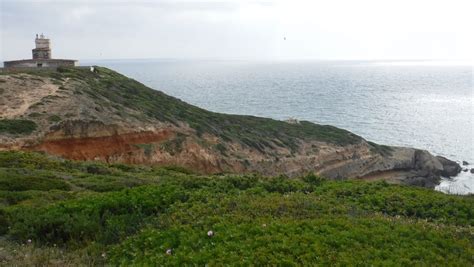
pixel 237 29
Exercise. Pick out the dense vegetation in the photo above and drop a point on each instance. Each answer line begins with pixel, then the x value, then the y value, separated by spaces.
pixel 63 212
pixel 17 126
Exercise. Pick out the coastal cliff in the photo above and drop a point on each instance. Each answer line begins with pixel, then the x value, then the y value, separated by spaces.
pixel 104 116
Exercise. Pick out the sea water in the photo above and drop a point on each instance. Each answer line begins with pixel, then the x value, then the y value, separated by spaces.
pixel 422 104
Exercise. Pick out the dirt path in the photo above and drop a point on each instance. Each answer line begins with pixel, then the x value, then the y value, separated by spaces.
pixel 19 92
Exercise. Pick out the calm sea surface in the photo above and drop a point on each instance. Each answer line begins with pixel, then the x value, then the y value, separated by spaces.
pixel 428 105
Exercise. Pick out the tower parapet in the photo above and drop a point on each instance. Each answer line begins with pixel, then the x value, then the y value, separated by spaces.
pixel 42 49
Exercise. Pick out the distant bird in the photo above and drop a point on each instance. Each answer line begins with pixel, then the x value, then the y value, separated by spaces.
pixel 284 38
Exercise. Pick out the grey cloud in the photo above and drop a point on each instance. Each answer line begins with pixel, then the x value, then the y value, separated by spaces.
pixel 126 29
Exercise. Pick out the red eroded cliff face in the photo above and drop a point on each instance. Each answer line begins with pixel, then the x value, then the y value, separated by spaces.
pixel 96 141
pixel 101 147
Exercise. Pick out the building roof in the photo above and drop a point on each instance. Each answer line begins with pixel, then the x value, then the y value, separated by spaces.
pixel 40 59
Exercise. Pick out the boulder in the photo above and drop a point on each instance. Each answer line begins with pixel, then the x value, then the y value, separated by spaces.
pixel 450 168
pixel 430 181
pixel 472 170
pixel 465 163
pixel 426 164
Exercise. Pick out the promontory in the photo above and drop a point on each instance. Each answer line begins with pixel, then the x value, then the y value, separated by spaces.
pixel 101 115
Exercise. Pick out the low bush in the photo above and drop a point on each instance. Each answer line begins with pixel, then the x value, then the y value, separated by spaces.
pixel 32 161
pixel 132 215
pixel 17 126
pixel 97 169
pixel 339 240
pixel 107 183
pixel 104 218
pixel 22 180
pixel 54 118
pixel 3 223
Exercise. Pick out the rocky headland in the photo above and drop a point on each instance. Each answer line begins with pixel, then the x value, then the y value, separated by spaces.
pixel 104 116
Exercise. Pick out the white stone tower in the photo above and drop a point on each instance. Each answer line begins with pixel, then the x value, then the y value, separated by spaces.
pixel 42 49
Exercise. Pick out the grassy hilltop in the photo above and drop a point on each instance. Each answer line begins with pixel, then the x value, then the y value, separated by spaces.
pixel 126 97
pixel 103 115
pixel 58 212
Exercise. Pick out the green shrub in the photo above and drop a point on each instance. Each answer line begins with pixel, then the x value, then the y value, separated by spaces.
pixel 8 198
pixel 3 223
pixel 242 182
pixel 54 118
pixel 17 126
pixel 282 184
pixel 179 169
pixel 35 115
pixel 127 168
pixel 92 218
pixel 18 159
pixel 221 148
pixel 380 149
pixel 21 180
pixel 403 201
pixel 34 198
pixel 313 179
pixel 325 241
pixel 104 183
pixel 97 169
pixel 256 220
